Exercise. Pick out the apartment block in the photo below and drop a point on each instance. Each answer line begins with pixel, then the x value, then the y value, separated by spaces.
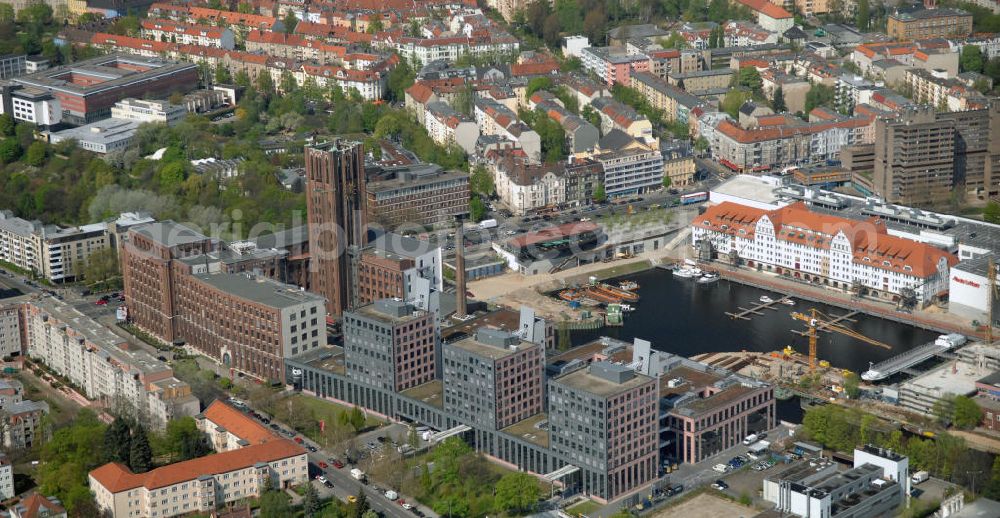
pixel 417 194
pixel 614 65
pixel 23 426
pixel 199 485
pixel 335 201
pixel 493 379
pixel 56 253
pixel 102 365
pixel 6 478
pixel 928 23
pixel 38 506
pixel 630 166
pixel 13 65
pixel 142 110
pixel 11 392
pixel 390 344
pixel 447 127
pixel 915 158
pixel 673 101
pixel 495 118
pixel 188 34
pixel 230 429
pixel 11 341
pixel 603 419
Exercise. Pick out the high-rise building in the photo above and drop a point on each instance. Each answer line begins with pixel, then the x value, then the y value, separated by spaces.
pixel 335 201
pixel 603 418
pixel 390 344
pixel 493 379
pixel 914 158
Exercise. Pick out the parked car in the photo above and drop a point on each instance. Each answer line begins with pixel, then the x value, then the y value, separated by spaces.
pixel 328 484
pixel 323 465
pixel 298 440
pixel 720 485
pixel 321 478
pixel 337 464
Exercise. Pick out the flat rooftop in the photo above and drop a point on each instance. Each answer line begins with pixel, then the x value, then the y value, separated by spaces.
pixel 111 71
pixel 329 358
pixel 493 352
pixel 583 380
pixel 430 393
pixel 373 312
pixel 260 290
pixel 749 188
pixel 941 380
pixel 103 131
pixel 505 319
pixel 169 233
pixel 691 380
pixel 534 429
pixel 555 233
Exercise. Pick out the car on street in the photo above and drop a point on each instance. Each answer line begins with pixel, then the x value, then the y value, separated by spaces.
pixel 321 478
pixel 720 485
pixel 274 426
pixel 328 484
pixel 406 505
pixel 298 440
pixel 322 465
pixel 337 464
pixel 720 468
pixel 102 302
pixel 311 448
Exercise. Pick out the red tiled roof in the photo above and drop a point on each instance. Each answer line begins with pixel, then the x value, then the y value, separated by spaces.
pixel 420 92
pixel 115 477
pixel 766 8
pixel 870 241
pixel 34 503
pixel 237 423
pixel 551 233
pixel 102 38
pixel 182 28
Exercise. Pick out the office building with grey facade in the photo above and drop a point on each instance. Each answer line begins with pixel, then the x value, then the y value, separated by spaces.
pixel 603 419
pixel 390 344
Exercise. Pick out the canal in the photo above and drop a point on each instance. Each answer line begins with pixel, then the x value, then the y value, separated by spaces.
pixel 686 318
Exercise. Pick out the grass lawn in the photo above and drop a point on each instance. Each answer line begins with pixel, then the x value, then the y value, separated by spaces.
pixel 329 412
pixel 583 508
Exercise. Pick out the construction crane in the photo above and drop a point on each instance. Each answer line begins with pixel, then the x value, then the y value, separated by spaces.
pixel 817 321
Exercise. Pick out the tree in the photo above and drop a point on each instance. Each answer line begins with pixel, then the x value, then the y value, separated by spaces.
pixel 516 492
pixel 360 505
pixel 310 501
pixel 778 102
pixel 68 456
pixel 354 418
pixel 750 78
pixel 701 144
pixel 400 78
pixel 481 181
pixel 851 382
pixel 290 21
pixel 6 120
pixel 991 214
pixel 183 439
pixel 117 439
pixel 818 95
pixel 140 457
pixel 863 17
pixel 537 83
pixel 944 409
pixel 971 59
pixel 6 13
pixel 599 194
pixel 477 209
pixel 967 414
pixel 674 41
pixel 36 153
pixel 274 504
pixel 10 150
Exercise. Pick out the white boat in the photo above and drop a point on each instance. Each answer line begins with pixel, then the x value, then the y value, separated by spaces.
pixel 766 300
pixel 627 308
pixel 788 302
pixel 690 262
pixel 708 278
pixel 686 273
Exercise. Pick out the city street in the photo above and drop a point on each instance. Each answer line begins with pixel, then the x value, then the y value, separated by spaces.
pixel 344 485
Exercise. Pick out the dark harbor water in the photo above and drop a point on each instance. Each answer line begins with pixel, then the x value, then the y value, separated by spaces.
pixel 686 318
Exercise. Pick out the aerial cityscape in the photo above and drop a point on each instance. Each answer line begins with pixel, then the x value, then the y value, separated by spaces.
pixel 539 258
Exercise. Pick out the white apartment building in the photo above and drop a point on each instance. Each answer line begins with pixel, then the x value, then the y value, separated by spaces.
pixel 100 364
pixel 6 478
pixel 447 127
pixel 450 48
pixel 188 34
pixel 58 254
pixel 524 187
pixel 794 241
pixel 494 118
pixel 199 485
pixel 101 137
pixel 33 105
pixel 230 429
pixel 141 110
